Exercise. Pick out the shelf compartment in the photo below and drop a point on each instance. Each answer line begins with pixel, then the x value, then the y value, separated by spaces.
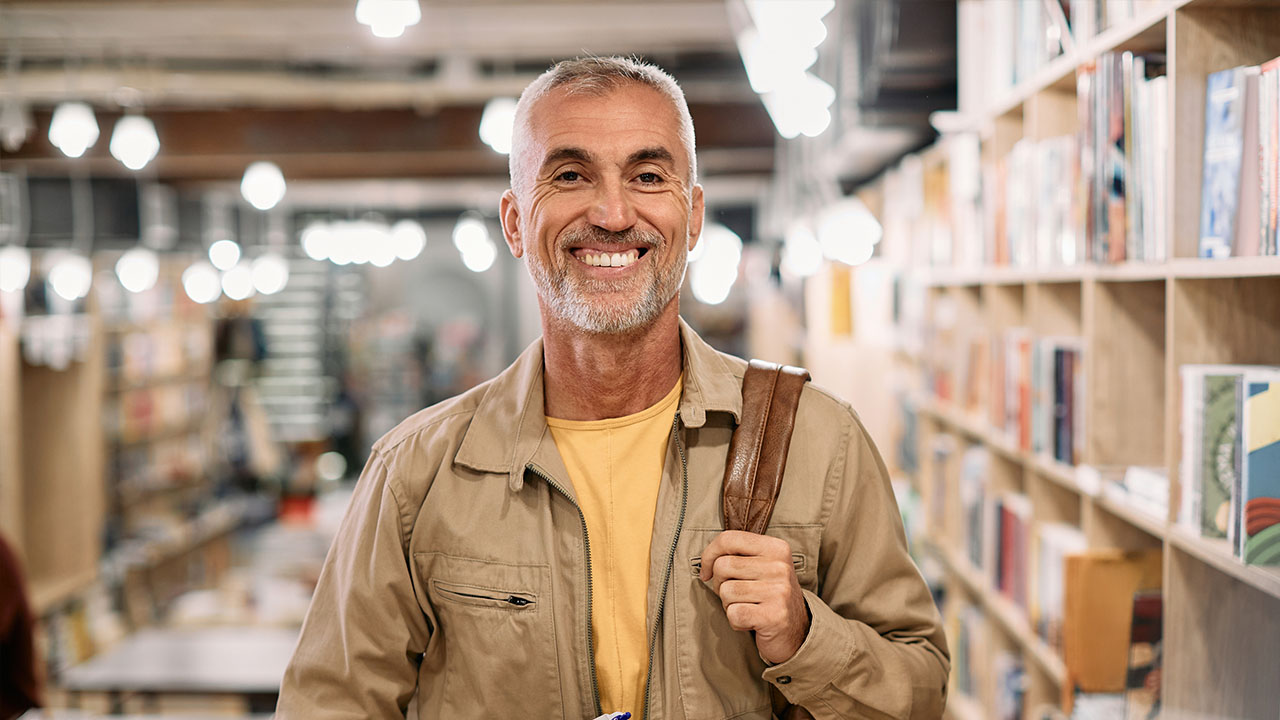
pixel 1010 619
pixel 1125 378
pixel 1220 636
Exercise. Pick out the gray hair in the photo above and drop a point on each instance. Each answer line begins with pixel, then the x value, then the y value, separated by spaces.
pixel 596 76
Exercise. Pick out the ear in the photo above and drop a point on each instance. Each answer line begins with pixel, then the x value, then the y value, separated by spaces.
pixel 696 213
pixel 509 213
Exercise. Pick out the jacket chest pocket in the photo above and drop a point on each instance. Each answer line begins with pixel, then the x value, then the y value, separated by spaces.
pixel 493 648
pixel 720 669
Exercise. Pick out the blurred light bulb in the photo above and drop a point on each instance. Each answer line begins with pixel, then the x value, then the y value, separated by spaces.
pixel 849 232
pixel 134 141
pixel 317 240
pixel 409 239
pixel 237 282
pixel 15 124
pixel 388 18
pixel 712 277
pixel 263 185
pixel 71 276
pixel 801 251
pixel 224 254
pixel 470 231
pixel 270 274
pixel 480 257
pixel 15 268
pixel 138 269
pixel 331 466
pixel 497 124
pixel 201 283
pixel 73 128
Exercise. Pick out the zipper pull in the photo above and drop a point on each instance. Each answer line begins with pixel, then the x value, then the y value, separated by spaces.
pixel 517 601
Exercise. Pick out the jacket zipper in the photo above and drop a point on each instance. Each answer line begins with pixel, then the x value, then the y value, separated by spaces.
pixel 586 540
pixel 671 557
pixel 509 599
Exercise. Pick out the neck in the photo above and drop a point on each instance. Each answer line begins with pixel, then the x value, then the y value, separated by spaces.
pixel 596 377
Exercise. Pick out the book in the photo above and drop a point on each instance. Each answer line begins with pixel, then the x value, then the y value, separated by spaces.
pixel 1219 454
pixel 1223 148
pixel 1259 540
pixel 974 470
pixel 1097 612
pixel 1142 678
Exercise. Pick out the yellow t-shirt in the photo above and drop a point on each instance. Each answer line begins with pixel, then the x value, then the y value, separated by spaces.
pixel 616 468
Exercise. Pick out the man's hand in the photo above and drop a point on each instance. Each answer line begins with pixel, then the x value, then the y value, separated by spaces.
pixel 757 585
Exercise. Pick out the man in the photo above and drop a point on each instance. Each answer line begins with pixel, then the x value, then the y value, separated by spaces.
pixel 549 544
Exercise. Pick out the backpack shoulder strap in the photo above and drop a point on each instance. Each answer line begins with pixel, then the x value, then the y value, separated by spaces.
pixel 758 449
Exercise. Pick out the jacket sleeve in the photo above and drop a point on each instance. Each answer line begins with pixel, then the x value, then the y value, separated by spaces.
pixel 875 647
pixel 365 631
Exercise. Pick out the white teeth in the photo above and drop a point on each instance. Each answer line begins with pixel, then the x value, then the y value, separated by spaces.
pixel 610 259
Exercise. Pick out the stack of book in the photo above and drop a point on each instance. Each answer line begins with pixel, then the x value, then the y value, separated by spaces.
pixel 1012 514
pixel 1123 106
pixel 1240 189
pixel 1230 467
pixel 1037 393
pixel 1054 542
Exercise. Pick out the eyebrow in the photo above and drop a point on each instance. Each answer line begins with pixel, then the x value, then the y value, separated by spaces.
pixel 651 153
pixel 561 154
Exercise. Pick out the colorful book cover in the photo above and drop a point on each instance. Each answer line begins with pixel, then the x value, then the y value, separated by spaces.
pixel 1260 474
pixel 1223 143
pixel 1219 454
pixel 1117 224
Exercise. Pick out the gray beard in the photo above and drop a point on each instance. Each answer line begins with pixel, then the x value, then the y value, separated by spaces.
pixel 576 299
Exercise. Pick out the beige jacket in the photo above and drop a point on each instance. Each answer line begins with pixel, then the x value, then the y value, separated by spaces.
pixel 462 572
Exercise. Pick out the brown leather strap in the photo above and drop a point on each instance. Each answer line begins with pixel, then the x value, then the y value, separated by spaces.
pixel 758 449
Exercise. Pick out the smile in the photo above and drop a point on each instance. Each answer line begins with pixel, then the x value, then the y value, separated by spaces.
pixel 605 259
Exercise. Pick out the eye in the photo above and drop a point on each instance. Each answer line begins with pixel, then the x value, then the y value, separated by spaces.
pixel 649 178
pixel 568 176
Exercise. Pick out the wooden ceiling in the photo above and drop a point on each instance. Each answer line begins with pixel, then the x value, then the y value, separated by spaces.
pixel 301 83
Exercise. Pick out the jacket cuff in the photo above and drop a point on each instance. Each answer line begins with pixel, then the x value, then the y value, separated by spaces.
pixel 827 650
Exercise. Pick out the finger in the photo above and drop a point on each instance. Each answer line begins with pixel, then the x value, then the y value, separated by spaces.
pixel 742 616
pixel 744 591
pixel 737 542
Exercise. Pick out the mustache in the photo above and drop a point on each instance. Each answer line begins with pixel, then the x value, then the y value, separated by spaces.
pixel 592 234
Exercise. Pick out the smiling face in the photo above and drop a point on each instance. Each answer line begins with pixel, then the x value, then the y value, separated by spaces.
pixel 607 219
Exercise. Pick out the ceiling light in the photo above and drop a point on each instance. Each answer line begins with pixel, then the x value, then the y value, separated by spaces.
pixel 801 251
pixel 237 282
pixel 224 254
pixel 201 283
pixel 134 141
pixel 73 128
pixel 138 269
pixel 713 275
pixel 15 268
pixel 15 124
pixel 263 185
pixel 388 18
pixel 317 240
pixel 480 257
pixel 409 239
pixel 498 123
pixel 469 232
pixel 848 232
pixel 270 274
pixel 71 276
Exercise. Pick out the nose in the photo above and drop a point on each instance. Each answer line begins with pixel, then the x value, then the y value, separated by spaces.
pixel 611 208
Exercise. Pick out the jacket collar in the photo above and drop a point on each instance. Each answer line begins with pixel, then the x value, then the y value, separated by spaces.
pixel 510 422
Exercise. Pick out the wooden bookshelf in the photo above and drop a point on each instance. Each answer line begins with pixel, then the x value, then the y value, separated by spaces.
pixel 1138 323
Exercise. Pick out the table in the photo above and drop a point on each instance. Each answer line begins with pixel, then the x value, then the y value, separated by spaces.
pixel 248 662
